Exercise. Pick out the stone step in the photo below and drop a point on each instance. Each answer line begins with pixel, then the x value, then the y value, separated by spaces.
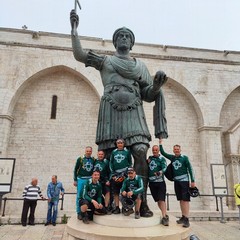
pixel 119 227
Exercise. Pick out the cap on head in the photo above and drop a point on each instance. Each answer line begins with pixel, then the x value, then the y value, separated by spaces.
pixel 130 169
pixel 123 29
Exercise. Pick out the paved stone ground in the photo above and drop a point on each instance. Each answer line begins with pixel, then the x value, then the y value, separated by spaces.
pixel 204 230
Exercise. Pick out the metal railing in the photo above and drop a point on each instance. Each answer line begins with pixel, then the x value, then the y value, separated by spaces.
pixel 168 195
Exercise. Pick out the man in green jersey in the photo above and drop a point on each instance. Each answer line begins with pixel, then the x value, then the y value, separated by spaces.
pixel 120 161
pixel 156 168
pixel 91 196
pixel 102 164
pixel 133 188
pixel 182 168
pixel 82 172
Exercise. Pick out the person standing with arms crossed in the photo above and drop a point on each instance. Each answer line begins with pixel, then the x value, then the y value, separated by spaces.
pixel 182 168
pixel 53 191
pixel 82 172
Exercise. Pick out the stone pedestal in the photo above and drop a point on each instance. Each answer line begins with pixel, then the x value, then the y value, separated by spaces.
pixel 119 227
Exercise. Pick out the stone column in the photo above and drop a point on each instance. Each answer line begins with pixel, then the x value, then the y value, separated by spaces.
pixel 211 153
pixel 233 173
pixel 5 128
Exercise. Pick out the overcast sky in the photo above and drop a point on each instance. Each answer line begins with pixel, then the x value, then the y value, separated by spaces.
pixel 209 24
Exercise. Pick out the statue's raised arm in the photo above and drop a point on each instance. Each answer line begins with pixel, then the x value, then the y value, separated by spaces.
pixel 79 53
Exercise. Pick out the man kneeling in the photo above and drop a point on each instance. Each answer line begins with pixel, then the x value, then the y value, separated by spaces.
pixel 132 189
pixel 91 197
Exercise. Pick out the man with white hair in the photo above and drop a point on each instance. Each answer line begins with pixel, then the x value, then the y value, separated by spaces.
pixel 30 195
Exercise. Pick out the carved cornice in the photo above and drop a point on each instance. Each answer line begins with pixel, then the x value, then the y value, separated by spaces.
pixel 210 128
pixel 8 117
pixel 137 55
pixel 233 128
pixel 233 159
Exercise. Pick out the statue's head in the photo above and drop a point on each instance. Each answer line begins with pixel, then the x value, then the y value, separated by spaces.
pixel 123 29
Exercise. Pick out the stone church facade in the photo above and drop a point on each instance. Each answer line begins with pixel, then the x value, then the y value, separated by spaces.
pixel 49 106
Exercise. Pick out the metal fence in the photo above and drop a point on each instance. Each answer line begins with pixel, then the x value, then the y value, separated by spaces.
pixel 168 195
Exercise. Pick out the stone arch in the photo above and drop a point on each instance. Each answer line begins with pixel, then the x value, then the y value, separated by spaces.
pixel 46 72
pixel 191 98
pixel 229 120
pixel 43 146
pixel 230 138
pixel 229 115
pixel 182 112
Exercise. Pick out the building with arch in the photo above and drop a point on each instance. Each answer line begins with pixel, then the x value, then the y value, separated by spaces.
pixel 49 106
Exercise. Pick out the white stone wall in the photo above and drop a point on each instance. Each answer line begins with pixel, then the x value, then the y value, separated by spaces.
pixel 202 102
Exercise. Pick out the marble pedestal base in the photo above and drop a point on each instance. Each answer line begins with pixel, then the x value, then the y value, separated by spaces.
pixel 119 227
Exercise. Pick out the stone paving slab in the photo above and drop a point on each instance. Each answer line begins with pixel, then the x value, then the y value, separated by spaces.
pixel 205 230
pixel 37 232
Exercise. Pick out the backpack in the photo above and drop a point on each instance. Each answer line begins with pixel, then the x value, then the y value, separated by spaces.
pixel 236 191
pixel 169 172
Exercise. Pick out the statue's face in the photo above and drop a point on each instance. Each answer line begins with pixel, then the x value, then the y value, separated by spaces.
pixel 123 40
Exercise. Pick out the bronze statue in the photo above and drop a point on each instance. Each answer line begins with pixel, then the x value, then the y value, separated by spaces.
pixel 127 83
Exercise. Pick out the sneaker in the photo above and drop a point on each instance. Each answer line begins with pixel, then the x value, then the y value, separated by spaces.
pixel 180 220
pixel 85 220
pixel 128 212
pixel 24 224
pixel 137 215
pixel 109 210
pixel 165 221
pixel 79 216
pixel 31 224
pixel 116 210
pixel 47 223
pixel 186 223
pixel 54 224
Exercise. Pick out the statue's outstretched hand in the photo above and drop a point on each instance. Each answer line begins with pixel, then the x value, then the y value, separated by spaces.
pixel 159 79
pixel 74 19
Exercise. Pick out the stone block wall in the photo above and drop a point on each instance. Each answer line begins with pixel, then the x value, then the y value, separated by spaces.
pixel 202 101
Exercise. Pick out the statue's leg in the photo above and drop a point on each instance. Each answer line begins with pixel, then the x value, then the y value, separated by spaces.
pixel 111 204
pixel 139 152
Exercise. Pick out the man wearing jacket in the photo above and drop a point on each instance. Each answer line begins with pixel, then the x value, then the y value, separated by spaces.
pixel 156 169
pixel 55 188
pixel 82 172
pixel 91 197
pixel 133 188
pixel 182 168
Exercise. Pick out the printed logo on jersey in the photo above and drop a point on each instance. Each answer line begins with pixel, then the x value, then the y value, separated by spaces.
pixel 119 157
pixel 92 193
pixel 132 186
pixel 88 166
pixel 99 167
pixel 177 165
pixel 152 165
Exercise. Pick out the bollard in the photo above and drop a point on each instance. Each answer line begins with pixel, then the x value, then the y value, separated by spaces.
pixel 222 216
